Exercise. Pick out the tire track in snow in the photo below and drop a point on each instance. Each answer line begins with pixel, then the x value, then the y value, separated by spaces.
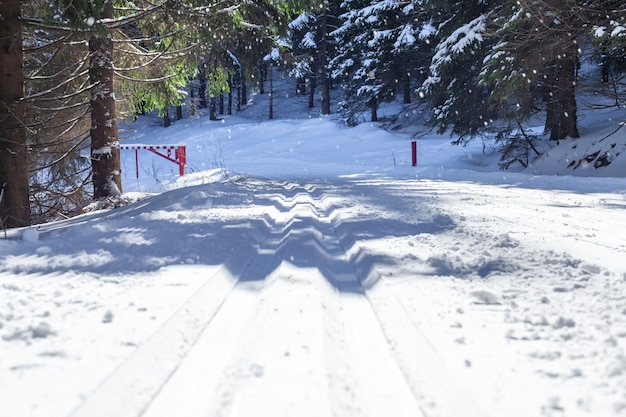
pixel 423 368
pixel 289 328
pixel 130 388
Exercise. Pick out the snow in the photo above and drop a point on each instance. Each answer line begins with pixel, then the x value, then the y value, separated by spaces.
pixel 305 268
pixel 460 39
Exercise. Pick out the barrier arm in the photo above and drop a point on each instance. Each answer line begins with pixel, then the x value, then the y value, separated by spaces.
pixel 179 158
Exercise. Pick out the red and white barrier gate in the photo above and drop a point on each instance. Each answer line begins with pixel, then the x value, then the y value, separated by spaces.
pixel 179 157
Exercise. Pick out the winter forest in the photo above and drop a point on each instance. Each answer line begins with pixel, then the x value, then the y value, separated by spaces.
pixel 70 69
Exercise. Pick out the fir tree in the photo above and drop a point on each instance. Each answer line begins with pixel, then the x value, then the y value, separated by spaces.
pixel 313 48
pixel 383 45
pixel 460 104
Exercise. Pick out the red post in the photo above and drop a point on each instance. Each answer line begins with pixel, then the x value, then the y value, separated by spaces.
pixel 181 155
pixel 414 153
pixel 136 163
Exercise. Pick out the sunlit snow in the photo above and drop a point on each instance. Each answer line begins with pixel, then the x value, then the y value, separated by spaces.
pixel 303 268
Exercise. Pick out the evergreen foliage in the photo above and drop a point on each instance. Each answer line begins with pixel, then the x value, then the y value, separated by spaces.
pixel 460 103
pixel 482 67
pixel 383 45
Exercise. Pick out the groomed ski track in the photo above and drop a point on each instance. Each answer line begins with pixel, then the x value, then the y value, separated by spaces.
pixel 344 348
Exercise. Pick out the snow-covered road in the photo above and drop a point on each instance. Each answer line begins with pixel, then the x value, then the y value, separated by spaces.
pixel 351 297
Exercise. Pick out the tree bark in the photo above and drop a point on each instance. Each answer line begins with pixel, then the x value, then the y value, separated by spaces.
pixel 212 108
pixel 561 109
pixel 14 206
pixel 262 77
pixel 374 108
pixel 167 122
pixel 105 146
pixel 202 88
pixel 192 102
pixel 312 88
pixel 300 86
pixel 406 85
pixel 325 105
pixel 244 89
pixel 229 107
pixel 271 80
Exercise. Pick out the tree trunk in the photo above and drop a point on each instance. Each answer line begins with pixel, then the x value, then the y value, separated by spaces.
pixel 166 117
pixel 192 102
pixel 374 107
pixel 325 105
pixel 271 94
pixel 229 107
pixel 312 88
pixel 14 205
pixel 561 109
pixel 212 108
pixel 262 77
pixel 202 87
pixel 325 94
pixel 105 146
pixel 300 86
pixel 407 89
pixel 239 85
pixel 244 90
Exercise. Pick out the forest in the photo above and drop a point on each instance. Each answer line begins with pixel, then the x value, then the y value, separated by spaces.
pixel 71 69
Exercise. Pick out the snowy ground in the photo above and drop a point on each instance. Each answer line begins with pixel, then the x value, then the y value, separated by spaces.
pixel 303 268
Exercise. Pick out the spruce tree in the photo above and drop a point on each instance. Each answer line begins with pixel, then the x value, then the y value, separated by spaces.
pixel 313 48
pixel 460 103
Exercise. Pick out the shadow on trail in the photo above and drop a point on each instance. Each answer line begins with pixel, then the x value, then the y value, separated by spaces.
pixel 264 223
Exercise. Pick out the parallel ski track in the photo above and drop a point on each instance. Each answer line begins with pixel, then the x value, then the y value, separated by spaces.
pixel 343 337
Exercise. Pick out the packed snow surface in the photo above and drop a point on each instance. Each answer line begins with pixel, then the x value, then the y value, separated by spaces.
pixel 302 268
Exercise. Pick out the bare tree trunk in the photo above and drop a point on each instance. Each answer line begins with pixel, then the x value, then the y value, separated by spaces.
pixel 14 205
pixel 105 146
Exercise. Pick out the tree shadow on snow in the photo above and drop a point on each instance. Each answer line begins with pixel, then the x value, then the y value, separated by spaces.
pixel 263 223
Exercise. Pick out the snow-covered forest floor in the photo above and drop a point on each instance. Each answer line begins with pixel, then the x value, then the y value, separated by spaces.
pixel 305 268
